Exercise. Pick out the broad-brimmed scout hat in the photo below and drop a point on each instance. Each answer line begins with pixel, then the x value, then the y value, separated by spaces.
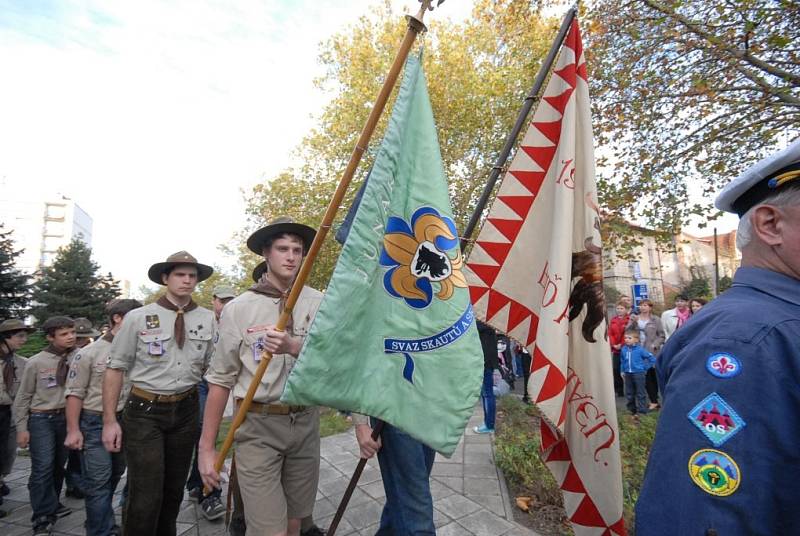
pixel 84 328
pixel 12 324
pixel 766 177
pixel 181 257
pixel 223 292
pixel 259 270
pixel 280 225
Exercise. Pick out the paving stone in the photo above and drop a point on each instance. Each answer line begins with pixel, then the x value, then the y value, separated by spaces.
pixel 447 469
pixel 481 486
pixel 452 482
pixel 453 529
pixel 364 515
pixel 493 503
pixel 485 523
pixel 370 475
pixel 375 490
pixel 344 527
pixel 480 470
pixel 456 506
pixel 323 507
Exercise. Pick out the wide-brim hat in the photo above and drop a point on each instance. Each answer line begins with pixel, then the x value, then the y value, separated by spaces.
pixel 259 270
pixel 281 225
pixel 84 328
pixel 182 257
pixel 13 324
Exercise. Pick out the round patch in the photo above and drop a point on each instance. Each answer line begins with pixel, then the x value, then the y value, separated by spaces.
pixel 714 472
pixel 723 365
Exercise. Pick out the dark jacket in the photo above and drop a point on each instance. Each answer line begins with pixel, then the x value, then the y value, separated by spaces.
pixel 488 345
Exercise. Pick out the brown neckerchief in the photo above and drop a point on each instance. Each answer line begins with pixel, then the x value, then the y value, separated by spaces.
pixel 267 288
pixel 63 367
pixel 9 368
pixel 180 330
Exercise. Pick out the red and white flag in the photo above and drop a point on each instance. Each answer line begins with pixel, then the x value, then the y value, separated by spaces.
pixel 535 273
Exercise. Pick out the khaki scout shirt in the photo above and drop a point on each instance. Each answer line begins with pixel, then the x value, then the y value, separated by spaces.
pixel 7 397
pixel 39 388
pixel 86 372
pixel 238 350
pixel 145 347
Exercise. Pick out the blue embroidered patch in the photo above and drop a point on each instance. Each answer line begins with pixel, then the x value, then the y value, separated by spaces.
pixel 723 365
pixel 716 419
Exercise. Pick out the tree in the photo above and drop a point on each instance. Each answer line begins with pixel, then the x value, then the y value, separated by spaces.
pixel 688 92
pixel 73 287
pixel 699 286
pixel 14 287
pixel 478 72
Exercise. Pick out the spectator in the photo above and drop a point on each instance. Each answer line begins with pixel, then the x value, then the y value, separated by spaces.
pixel 490 362
pixel 676 317
pixel 616 335
pixel 635 361
pixel 695 304
pixel 651 336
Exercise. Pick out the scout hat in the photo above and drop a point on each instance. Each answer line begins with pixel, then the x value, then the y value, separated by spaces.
pixel 84 328
pixel 12 324
pixel 223 292
pixel 280 225
pixel 259 270
pixel 181 257
pixel 760 181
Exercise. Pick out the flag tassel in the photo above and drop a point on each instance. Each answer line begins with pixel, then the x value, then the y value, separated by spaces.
pixel 415 26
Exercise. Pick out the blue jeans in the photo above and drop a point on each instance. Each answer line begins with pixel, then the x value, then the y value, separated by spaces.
pixel 48 458
pixel 635 392
pixel 406 469
pixel 518 365
pixel 487 397
pixel 102 471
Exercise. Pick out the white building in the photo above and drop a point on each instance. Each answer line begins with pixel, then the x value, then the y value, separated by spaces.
pixel 41 225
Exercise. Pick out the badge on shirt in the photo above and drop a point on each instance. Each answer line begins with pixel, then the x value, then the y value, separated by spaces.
pixel 72 373
pixel 152 321
pixel 258 348
pixel 155 348
pixel 716 419
pixel 723 365
pixel 714 472
pixel 48 377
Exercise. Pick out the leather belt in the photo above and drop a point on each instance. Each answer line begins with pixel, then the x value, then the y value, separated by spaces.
pixel 272 409
pixel 153 397
pixel 92 412
pixel 57 411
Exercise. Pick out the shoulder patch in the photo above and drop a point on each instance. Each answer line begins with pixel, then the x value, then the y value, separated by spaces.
pixel 723 365
pixel 714 472
pixel 716 419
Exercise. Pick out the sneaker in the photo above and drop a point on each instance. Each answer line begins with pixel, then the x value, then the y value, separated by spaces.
pixel 483 430
pixel 195 494
pixel 44 527
pixel 314 531
pixel 63 511
pixel 212 508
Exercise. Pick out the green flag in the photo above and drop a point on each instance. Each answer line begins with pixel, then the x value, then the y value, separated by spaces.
pixel 395 336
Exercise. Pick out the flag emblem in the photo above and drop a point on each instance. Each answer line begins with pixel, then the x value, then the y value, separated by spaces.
pixel 418 255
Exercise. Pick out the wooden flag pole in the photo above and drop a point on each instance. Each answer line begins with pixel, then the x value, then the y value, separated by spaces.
pixel 533 95
pixel 415 26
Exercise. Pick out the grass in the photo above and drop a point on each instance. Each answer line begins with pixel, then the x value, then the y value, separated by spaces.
pixel 517 452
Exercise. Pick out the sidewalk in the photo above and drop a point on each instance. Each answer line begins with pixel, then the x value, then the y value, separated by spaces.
pixel 469 494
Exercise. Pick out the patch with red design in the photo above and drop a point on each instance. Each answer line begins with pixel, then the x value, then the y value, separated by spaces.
pixel 723 365
pixel 716 419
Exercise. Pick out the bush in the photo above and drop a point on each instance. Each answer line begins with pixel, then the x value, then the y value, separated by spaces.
pixel 36 343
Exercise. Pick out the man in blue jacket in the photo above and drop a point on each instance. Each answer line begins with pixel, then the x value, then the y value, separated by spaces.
pixel 725 460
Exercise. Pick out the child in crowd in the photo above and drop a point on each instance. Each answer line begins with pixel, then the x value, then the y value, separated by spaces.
pixel 634 362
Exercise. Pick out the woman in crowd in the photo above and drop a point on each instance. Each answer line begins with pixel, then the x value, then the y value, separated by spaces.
pixel 616 334
pixel 651 337
pixel 695 304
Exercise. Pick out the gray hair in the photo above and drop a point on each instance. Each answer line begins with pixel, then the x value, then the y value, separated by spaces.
pixel 789 196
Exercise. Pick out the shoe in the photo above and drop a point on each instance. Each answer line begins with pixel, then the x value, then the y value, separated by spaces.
pixel 212 508
pixel 654 405
pixel 4 490
pixel 63 511
pixel 75 493
pixel 314 531
pixel 483 430
pixel 44 527
pixel 195 494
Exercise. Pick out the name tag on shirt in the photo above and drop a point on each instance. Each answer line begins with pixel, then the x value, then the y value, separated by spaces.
pixel 258 347
pixel 155 348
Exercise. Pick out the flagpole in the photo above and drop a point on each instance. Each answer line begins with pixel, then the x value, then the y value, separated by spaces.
pixel 415 26
pixel 533 96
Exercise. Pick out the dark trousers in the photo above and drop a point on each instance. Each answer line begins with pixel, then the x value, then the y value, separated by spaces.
pixel 635 391
pixel 5 431
pixel 526 374
pixel 651 385
pixel 195 481
pixel 619 387
pixel 48 458
pixel 158 438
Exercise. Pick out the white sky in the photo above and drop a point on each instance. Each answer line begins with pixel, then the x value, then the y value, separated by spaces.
pixel 154 115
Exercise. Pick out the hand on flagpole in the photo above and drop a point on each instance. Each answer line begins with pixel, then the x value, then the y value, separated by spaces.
pixel 366 444
pixel 280 342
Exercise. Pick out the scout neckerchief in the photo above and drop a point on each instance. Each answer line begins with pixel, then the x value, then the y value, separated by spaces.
pixel 9 370
pixel 180 330
pixel 63 368
pixel 267 288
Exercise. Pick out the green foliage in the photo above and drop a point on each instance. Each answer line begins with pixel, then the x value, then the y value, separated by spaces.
pixel 635 441
pixel 687 92
pixel 73 287
pixel 725 283
pixel 698 286
pixel 14 287
pixel 332 422
pixel 36 343
pixel 478 72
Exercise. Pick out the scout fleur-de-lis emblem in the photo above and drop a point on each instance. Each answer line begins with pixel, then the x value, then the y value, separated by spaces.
pixel 418 255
